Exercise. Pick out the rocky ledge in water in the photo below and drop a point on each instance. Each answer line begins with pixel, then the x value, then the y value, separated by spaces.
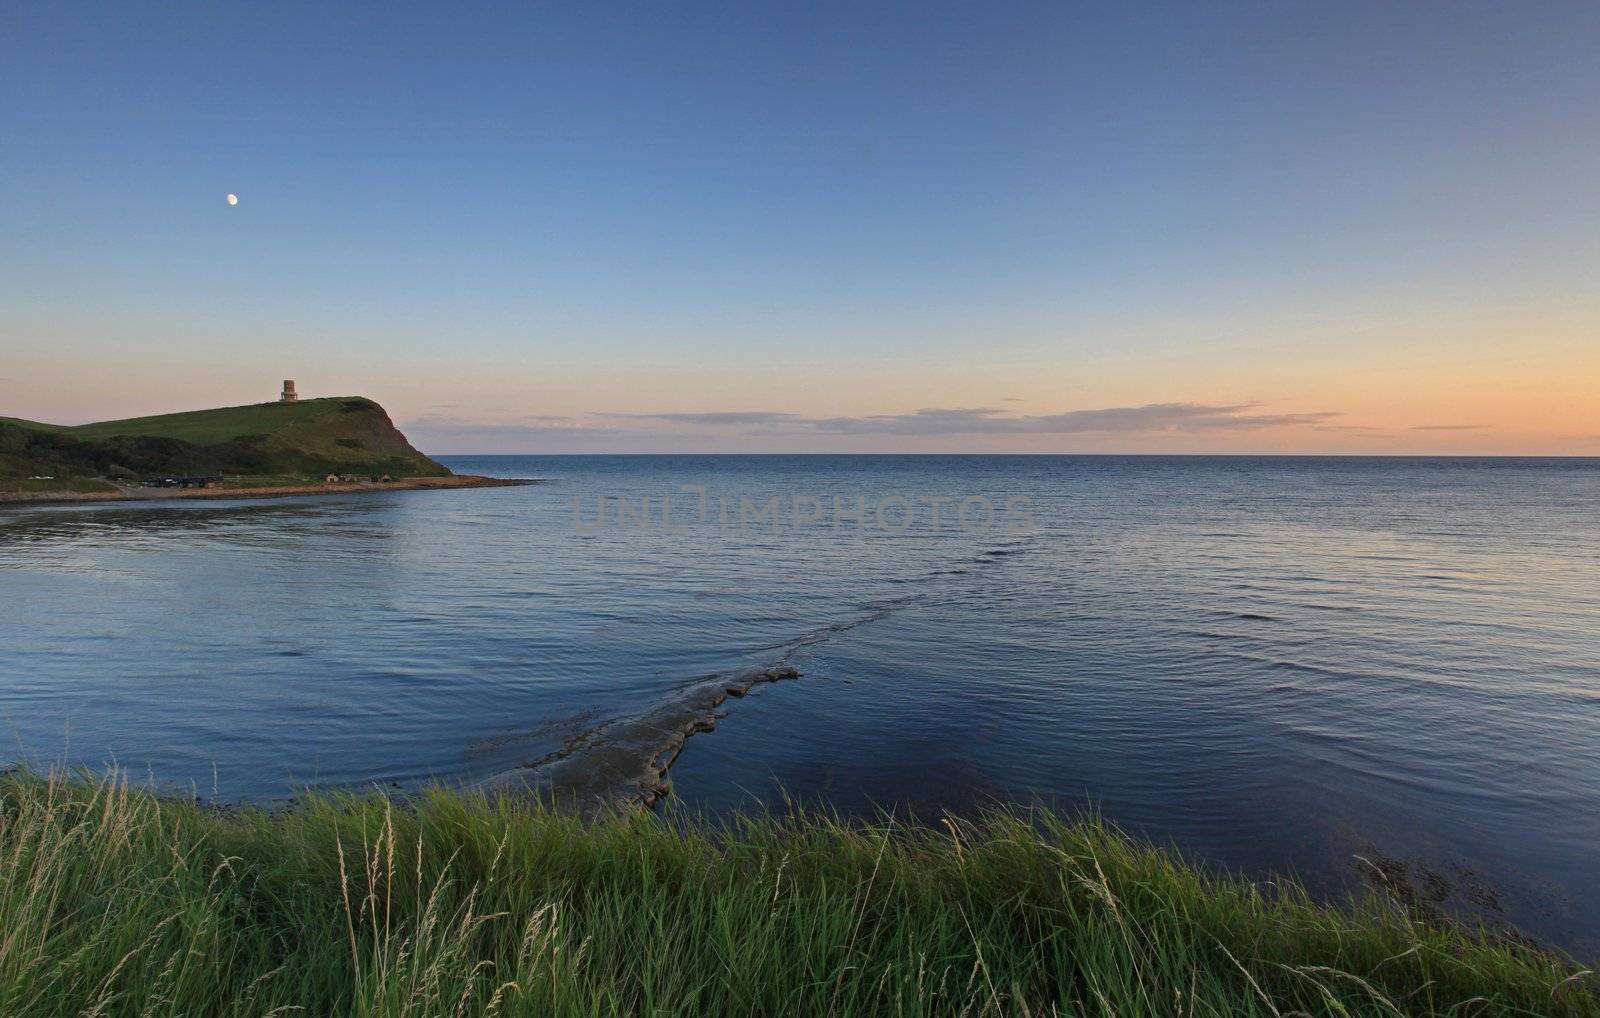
pixel 625 761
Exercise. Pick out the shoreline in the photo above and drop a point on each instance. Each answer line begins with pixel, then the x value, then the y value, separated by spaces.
pixel 131 494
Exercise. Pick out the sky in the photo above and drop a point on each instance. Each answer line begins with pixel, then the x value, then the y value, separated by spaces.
pixel 925 227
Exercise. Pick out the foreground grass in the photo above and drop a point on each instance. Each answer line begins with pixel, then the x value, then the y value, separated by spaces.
pixel 113 902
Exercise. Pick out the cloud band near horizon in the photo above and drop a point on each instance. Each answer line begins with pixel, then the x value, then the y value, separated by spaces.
pixel 1184 417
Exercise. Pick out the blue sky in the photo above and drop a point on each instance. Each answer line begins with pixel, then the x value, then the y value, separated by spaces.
pixel 1362 227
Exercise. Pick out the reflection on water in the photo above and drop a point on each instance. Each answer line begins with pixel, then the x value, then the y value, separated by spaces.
pixel 1274 663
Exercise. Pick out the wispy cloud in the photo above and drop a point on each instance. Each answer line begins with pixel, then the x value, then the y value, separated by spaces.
pixel 547 433
pixel 1185 417
pixel 1176 417
pixel 714 417
pixel 529 425
pixel 1366 432
pixel 733 428
pixel 1449 427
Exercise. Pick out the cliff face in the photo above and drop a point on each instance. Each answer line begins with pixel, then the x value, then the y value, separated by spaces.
pixel 349 434
pixel 355 434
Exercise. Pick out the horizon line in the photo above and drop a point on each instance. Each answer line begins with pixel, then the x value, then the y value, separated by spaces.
pixel 1106 455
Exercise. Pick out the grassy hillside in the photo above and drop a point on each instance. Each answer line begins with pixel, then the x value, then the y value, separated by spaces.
pixel 347 434
pixel 116 903
pixel 18 422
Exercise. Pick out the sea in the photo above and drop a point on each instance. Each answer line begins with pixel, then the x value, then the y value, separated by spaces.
pixel 1315 667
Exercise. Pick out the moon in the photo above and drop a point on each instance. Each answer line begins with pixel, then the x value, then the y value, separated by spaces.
pixel 233 199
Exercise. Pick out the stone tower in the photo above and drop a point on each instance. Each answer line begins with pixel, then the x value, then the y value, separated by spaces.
pixel 289 395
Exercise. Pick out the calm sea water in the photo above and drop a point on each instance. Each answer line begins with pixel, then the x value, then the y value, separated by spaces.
pixel 1274 664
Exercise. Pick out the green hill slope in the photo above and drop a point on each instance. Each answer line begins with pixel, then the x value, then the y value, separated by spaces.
pixel 348 434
